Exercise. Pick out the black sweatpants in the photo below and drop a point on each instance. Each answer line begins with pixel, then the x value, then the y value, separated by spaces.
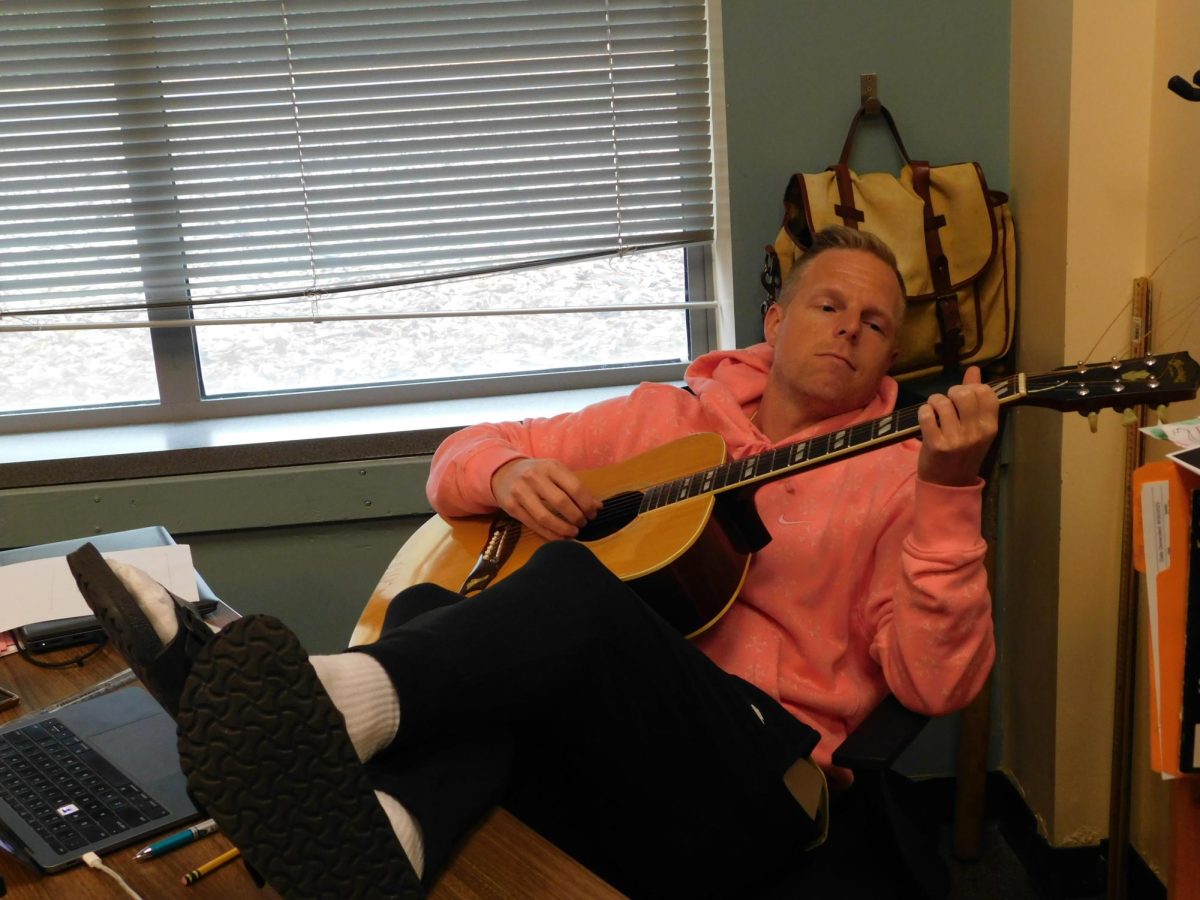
pixel 562 692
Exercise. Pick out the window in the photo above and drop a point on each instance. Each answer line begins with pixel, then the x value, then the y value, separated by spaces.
pixel 319 202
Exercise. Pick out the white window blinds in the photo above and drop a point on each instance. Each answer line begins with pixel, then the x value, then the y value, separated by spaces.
pixel 167 152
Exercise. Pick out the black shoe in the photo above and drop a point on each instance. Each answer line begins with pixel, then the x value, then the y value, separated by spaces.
pixel 267 754
pixel 161 669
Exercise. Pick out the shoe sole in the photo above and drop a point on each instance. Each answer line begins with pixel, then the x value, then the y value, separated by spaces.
pixel 267 755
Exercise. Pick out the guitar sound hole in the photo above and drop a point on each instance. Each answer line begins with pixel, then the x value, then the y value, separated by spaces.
pixel 619 510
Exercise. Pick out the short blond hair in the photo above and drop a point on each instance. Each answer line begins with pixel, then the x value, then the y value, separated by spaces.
pixel 841 237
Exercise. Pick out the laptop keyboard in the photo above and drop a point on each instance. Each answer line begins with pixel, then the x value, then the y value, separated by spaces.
pixel 66 791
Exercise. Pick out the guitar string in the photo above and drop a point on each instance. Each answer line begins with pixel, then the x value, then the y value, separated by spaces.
pixel 904 419
pixel 1096 374
pixel 1127 306
pixel 1183 320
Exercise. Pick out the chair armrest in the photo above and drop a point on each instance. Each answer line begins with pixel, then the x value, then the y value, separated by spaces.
pixel 881 737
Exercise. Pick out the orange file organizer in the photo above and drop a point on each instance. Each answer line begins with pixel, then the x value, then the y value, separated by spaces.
pixel 1162 527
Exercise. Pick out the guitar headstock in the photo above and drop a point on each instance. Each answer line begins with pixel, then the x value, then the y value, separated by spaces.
pixel 1118 384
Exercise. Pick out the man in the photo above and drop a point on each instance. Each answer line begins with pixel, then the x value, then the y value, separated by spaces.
pixel 667 762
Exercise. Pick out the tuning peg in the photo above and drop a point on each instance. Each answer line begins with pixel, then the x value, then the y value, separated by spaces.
pixel 1129 418
pixel 1161 412
pixel 1094 421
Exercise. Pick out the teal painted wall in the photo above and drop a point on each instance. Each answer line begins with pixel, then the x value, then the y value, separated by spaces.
pixel 792 84
pixel 317 578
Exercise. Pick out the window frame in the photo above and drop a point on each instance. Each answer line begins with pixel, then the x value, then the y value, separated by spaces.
pixel 176 358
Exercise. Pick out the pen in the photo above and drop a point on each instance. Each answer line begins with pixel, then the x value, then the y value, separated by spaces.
pixel 196 874
pixel 158 848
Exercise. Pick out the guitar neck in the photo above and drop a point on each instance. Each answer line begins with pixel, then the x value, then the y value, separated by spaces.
pixel 818 451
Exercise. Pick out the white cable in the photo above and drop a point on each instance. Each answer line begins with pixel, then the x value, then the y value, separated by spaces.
pixel 94 862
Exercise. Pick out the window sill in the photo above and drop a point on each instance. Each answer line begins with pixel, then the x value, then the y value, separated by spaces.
pixel 75 456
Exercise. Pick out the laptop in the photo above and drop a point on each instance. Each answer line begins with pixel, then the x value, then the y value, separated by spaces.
pixel 93 776
pixel 41 637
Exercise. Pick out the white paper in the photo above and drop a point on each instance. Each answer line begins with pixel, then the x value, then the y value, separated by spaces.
pixel 1185 434
pixel 1156 539
pixel 42 590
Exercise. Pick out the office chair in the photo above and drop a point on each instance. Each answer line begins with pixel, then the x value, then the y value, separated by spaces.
pixel 876 849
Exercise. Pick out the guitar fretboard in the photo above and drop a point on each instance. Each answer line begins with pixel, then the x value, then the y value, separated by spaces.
pixel 816 451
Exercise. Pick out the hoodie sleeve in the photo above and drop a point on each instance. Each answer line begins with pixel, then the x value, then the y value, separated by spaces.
pixel 930 610
pixel 460 479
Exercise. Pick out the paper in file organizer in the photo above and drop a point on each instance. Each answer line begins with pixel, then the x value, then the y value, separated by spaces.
pixel 1162 509
pixel 42 590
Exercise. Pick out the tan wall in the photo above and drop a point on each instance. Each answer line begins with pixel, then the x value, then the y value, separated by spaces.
pixel 1080 157
pixel 1039 127
pixel 1111 69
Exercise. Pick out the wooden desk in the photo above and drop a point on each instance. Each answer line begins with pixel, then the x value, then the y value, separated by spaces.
pixel 501 859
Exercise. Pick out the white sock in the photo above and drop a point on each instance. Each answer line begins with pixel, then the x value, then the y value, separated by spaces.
pixel 151 597
pixel 363 693
pixel 408 830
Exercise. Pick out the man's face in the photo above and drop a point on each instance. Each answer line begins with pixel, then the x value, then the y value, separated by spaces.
pixel 835 336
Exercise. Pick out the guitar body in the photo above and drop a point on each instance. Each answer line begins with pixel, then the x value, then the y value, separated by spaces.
pixel 679 558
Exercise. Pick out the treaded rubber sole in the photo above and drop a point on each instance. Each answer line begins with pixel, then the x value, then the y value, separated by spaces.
pixel 267 755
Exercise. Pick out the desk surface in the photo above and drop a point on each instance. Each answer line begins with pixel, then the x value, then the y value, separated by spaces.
pixel 501 859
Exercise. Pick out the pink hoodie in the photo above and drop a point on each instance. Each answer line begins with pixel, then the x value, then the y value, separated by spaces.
pixel 873 581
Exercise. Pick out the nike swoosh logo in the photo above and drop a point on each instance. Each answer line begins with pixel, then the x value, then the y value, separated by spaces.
pixel 784 520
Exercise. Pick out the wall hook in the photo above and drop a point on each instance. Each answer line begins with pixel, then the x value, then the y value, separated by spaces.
pixel 1185 90
pixel 868 93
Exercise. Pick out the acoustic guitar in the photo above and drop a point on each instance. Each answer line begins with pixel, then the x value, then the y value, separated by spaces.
pixel 678 522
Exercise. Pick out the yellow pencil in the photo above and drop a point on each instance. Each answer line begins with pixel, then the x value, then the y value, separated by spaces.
pixel 196 874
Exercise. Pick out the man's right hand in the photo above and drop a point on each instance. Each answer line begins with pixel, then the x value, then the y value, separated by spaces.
pixel 544 496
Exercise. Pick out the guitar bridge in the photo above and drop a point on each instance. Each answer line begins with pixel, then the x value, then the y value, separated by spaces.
pixel 502 540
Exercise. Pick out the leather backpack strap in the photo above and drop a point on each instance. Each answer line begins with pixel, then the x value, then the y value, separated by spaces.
pixel 848 145
pixel 850 214
pixel 891 124
pixel 949 320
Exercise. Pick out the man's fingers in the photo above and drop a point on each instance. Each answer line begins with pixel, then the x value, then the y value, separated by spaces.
pixel 545 496
pixel 544 522
pixel 939 416
pixel 546 500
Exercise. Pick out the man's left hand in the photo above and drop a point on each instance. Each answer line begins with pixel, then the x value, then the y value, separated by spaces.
pixel 956 430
